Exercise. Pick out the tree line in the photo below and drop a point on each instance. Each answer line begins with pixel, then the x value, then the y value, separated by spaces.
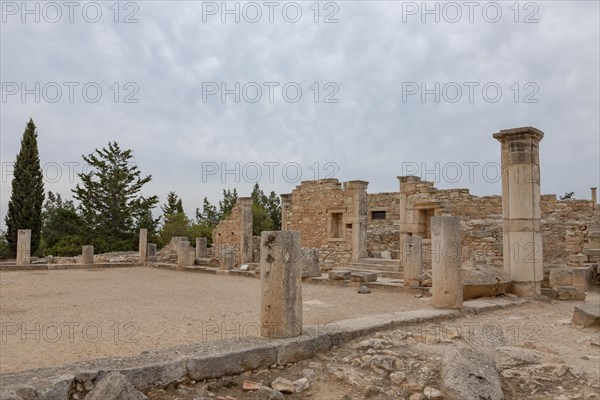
pixel 110 207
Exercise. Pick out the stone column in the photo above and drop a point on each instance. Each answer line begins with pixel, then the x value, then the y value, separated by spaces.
pixel 286 200
pixel 24 247
pixel 412 261
pixel 280 284
pixel 358 192
pixel 594 198
pixel 245 230
pixel 227 259
pixel 201 247
pixel 521 209
pixel 151 252
pixel 183 253
pixel 409 224
pixel 87 255
pixel 143 246
pixel 446 274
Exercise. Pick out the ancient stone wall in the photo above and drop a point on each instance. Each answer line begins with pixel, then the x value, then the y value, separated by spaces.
pixel 228 235
pixel 383 224
pixel 325 212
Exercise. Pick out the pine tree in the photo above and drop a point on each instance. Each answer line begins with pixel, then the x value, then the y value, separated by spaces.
pixel 27 196
pixel 172 206
pixel 110 199
pixel 63 227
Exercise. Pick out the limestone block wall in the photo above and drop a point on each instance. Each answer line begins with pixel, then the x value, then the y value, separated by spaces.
pixel 565 224
pixel 228 234
pixel 323 212
pixel 383 234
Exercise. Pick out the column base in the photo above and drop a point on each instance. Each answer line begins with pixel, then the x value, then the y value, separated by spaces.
pixel 527 289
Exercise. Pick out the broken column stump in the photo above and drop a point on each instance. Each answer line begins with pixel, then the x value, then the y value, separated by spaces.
pixel 446 277
pixel 87 255
pixel 281 284
pixel 24 247
pixel 413 261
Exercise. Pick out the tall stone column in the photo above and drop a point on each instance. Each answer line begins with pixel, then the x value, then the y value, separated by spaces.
pixel 521 210
pixel 280 284
pixel 286 200
pixel 183 253
pixel 201 247
pixel 143 246
pixel 412 260
pixel 87 255
pixel 446 276
pixel 24 247
pixel 594 198
pixel 358 192
pixel 246 230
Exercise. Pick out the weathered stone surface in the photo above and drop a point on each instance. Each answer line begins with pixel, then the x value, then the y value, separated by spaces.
pixel 283 385
pixel 339 274
pixel 521 208
pixel 484 281
pixel 569 293
pixel 280 284
pixel 183 253
pixel 87 255
pixel 386 255
pixel 561 277
pixel 364 290
pixel 301 385
pixel 582 277
pixel 143 378
pixel 550 293
pixel 266 393
pixel 412 260
pixel 214 366
pixel 9 395
pixel 446 286
pixel 114 386
pixel 364 276
pixel 23 247
pixel 201 249
pixel 586 315
pixel 143 246
pixel 227 260
pixel 469 374
pixel 310 262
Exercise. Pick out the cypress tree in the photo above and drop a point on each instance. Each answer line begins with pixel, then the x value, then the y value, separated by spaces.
pixel 27 196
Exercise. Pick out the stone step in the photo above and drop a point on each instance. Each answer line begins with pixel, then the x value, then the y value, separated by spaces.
pixel 380 273
pixel 375 267
pixel 379 261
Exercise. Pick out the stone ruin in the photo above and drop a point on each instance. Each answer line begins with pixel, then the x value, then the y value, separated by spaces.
pixel 457 245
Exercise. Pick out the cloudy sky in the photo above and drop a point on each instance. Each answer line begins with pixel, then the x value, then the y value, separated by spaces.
pixel 215 95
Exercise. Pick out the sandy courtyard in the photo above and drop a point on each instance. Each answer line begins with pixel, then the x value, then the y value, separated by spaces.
pixel 50 318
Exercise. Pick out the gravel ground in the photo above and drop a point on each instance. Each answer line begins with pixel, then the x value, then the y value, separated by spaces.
pixel 51 318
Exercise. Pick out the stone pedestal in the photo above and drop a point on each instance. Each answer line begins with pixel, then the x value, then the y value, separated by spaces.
pixel 446 276
pixel 143 246
pixel 227 260
pixel 281 284
pixel 24 247
pixel 412 260
pixel 521 209
pixel 151 252
pixel 310 262
pixel 87 255
pixel 183 253
pixel 201 247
